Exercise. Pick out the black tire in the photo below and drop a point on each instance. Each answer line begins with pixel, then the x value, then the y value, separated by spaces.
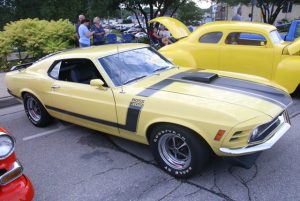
pixel 198 150
pixel 38 116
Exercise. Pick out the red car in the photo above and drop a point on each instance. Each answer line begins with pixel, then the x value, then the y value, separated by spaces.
pixel 14 185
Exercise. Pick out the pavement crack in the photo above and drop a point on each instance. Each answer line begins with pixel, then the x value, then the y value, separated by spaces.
pixel 170 192
pixel 294 115
pixel 221 195
pixel 243 181
pixel 119 148
pixel 153 185
pixel 116 168
pixel 215 180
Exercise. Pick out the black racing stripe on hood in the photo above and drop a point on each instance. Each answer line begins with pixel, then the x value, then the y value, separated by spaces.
pixel 265 92
pixel 258 90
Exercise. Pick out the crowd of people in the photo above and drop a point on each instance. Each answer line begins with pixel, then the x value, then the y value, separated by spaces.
pixel 84 32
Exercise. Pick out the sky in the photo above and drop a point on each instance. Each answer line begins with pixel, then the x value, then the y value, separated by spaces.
pixel 203 3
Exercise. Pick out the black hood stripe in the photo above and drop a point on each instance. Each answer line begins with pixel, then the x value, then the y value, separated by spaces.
pixel 261 91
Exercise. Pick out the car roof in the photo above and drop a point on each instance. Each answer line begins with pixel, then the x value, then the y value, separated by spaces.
pixel 239 25
pixel 97 51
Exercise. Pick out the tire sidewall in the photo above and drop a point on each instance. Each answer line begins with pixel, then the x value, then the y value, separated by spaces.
pixel 156 136
pixel 26 97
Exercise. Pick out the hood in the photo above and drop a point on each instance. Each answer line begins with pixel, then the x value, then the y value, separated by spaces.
pixel 176 28
pixel 294 47
pixel 262 98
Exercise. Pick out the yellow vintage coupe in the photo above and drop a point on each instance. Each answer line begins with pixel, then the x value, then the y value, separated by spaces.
pixel 244 47
pixel 132 91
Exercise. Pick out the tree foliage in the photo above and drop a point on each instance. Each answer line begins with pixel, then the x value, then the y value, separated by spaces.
pixel 152 9
pixel 190 13
pixel 37 37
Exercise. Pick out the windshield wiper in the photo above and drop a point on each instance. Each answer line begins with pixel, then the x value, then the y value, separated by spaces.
pixel 134 79
pixel 163 68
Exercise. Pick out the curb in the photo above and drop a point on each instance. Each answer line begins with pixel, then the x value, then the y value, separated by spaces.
pixel 8 101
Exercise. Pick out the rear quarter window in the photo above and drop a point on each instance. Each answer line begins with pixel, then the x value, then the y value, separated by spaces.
pixel 213 37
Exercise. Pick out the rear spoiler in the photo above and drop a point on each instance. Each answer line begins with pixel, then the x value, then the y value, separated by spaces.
pixel 21 66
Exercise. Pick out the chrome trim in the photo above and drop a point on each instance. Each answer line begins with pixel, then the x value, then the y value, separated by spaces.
pixel 263 146
pixel 282 119
pixel 15 166
pixel 13 149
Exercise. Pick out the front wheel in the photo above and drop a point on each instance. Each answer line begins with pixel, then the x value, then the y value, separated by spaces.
pixel 178 151
pixel 35 111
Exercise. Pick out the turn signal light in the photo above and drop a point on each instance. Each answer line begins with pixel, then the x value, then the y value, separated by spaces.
pixel 219 135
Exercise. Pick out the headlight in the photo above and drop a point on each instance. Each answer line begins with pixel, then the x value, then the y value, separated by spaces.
pixel 7 144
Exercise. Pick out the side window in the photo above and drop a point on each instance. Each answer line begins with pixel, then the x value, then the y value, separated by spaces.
pixel 213 37
pixel 243 38
pixel 54 73
pixel 75 70
pixel 297 32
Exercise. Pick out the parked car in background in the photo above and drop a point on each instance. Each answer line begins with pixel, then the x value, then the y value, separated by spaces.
pixel 14 185
pixel 244 47
pixel 141 35
pixel 132 31
pixel 293 32
pixel 132 91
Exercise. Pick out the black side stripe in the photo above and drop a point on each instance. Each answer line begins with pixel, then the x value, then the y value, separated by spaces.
pixel 132 117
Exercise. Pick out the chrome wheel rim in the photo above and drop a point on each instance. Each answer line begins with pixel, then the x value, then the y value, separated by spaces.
pixel 174 151
pixel 33 109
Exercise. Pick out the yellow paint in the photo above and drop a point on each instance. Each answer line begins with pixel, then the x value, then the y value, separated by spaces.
pixel 277 62
pixel 203 109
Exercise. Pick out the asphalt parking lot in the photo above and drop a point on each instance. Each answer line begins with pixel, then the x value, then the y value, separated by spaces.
pixel 68 162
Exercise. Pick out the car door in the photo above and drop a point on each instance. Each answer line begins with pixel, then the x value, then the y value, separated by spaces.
pixel 206 51
pixel 75 100
pixel 247 52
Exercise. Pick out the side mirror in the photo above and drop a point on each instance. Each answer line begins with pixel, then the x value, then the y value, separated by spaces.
pixel 97 83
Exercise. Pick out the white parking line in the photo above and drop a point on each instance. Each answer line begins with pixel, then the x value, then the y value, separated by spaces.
pixel 60 128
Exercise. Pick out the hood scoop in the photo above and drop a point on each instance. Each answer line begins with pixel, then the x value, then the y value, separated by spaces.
pixel 200 77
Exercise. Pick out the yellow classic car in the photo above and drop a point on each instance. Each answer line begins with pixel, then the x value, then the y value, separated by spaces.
pixel 244 47
pixel 131 91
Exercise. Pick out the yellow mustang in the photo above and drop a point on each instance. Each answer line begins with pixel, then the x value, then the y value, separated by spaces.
pixel 244 47
pixel 132 91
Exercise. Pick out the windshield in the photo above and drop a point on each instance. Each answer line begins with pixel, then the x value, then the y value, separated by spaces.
pixel 275 37
pixel 132 65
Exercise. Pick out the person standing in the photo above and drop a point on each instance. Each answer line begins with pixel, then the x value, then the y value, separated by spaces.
pixel 99 32
pixel 238 16
pixel 80 19
pixel 85 34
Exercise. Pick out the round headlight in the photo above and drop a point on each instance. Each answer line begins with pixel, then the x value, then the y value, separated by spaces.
pixel 7 145
pixel 254 134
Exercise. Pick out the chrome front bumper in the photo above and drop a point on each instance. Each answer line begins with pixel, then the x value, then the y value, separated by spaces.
pixel 12 174
pixel 284 127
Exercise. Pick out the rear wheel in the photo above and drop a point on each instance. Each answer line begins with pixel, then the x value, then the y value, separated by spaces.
pixel 35 111
pixel 178 151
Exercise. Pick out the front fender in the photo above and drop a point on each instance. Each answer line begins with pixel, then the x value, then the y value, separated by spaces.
pixel 178 56
pixel 288 73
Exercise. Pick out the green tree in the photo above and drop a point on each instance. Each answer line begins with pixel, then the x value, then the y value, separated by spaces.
pixel 190 13
pixel 152 9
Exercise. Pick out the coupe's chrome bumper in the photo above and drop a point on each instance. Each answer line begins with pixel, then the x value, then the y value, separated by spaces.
pixel 284 127
pixel 12 174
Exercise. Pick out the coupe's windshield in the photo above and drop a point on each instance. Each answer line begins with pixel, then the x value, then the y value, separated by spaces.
pixel 132 65
pixel 275 36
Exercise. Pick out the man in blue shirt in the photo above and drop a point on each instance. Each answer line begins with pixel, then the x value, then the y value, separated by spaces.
pixel 99 32
pixel 85 34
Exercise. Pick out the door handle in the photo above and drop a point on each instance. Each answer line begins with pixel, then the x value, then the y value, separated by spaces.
pixel 55 86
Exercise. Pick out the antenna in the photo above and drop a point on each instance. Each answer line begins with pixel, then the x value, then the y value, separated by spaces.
pixel 120 73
